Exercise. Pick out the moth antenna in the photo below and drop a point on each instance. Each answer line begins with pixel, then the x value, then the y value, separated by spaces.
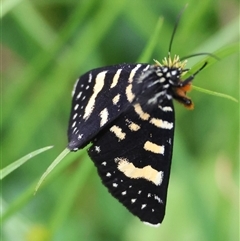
pixel 190 78
pixel 175 29
pixel 198 54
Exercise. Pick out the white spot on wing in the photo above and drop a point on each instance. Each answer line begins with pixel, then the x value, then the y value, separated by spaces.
pixel 146 68
pixel 97 149
pixel 74 87
pixel 129 93
pixel 133 126
pixel 166 108
pixel 152 147
pixel 118 132
pixel 99 83
pixel 90 78
pixel 147 172
pixel 76 106
pixel 143 115
pixel 158 199
pixel 133 72
pixel 74 123
pixel 79 95
pixel 143 206
pixel 161 124
pixel 116 78
pixel 104 117
pixel 115 99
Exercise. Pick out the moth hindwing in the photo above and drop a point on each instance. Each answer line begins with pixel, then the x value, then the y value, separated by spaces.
pixel 126 111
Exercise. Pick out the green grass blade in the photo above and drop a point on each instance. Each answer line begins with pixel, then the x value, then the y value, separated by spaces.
pixel 220 53
pixel 44 58
pixel 28 193
pixel 147 52
pixel 214 93
pixel 43 40
pixel 73 187
pixel 10 168
pixel 59 158
pixel 223 37
pixel 7 6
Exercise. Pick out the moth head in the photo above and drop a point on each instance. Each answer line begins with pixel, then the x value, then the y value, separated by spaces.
pixel 171 70
pixel 163 82
pixel 177 88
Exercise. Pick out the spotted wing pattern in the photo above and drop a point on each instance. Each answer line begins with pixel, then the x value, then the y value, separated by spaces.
pixel 127 112
pixel 99 97
pixel 133 158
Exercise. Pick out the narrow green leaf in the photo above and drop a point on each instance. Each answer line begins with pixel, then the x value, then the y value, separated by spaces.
pixel 7 6
pixel 24 197
pixel 10 168
pixel 225 36
pixel 42 40
pixel 147 52
pixel 220 53
pixel 73 187
pixel 45 57
pixel 52 166
pixel 214 93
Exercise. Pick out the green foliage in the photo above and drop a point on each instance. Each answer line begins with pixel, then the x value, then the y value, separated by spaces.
pixel 11 167
pixel 46 45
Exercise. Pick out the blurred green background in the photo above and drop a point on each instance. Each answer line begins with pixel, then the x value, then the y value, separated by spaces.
pixel 46 45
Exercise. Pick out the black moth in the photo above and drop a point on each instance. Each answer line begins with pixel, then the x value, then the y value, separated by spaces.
pixel 126 111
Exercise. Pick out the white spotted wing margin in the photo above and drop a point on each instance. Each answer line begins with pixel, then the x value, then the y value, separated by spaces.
pixel 99 97
pixel 133 159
